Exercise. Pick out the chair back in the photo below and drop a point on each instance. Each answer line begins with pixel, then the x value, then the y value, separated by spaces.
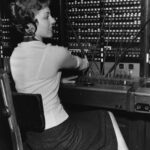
pixel 29 111
pixel 28 107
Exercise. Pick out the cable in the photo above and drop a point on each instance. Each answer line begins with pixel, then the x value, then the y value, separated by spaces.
pixel 109 27
pixel 100 36
pixel 82 50
pixel 124 52
pixel 77 39
pixel 117 55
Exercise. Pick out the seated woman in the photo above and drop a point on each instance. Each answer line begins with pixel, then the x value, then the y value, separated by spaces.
pixel 36 68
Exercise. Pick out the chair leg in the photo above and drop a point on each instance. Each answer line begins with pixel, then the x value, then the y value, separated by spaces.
pixel 120 140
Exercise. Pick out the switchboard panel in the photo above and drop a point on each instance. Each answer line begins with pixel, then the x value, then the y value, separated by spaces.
pixel 108 31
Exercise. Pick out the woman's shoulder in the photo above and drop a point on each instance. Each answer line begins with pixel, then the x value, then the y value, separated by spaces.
pixel 56 47
pixel 28 48
pixel 56 51
pixel 30 45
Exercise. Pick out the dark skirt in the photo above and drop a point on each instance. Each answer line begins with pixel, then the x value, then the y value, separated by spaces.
pixel 90 130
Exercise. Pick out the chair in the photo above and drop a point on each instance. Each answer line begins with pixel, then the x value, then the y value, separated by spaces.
pixel 31 119
pixel 23 111
pixel 9 111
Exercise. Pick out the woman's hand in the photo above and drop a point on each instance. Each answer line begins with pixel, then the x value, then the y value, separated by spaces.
pixel 70 79
pixel 84 64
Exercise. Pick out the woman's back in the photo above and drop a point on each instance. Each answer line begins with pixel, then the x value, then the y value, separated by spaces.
pixel 34 67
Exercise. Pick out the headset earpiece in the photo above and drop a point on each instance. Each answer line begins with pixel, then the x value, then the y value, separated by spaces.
pixel 30 28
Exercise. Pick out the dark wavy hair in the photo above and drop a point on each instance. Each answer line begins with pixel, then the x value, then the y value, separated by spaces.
pixel 23 12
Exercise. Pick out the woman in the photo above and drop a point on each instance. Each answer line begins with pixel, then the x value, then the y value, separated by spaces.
pixel 36 68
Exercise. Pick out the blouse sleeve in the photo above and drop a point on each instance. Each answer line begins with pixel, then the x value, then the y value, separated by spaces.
pixel 63 58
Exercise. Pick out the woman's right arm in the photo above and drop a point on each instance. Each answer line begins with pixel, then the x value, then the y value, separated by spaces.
pixel 67 60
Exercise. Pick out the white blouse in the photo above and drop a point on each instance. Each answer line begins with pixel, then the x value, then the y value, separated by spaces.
pixel 34 67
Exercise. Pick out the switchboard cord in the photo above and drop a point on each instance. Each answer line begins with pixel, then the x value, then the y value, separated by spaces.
pixel 99 37
pixel 76 36
pixel 105 53
pixel 117 55
pixel 124 52
pixel 82 50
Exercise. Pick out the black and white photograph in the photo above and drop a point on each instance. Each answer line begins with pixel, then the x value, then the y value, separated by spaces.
pixel 74 75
